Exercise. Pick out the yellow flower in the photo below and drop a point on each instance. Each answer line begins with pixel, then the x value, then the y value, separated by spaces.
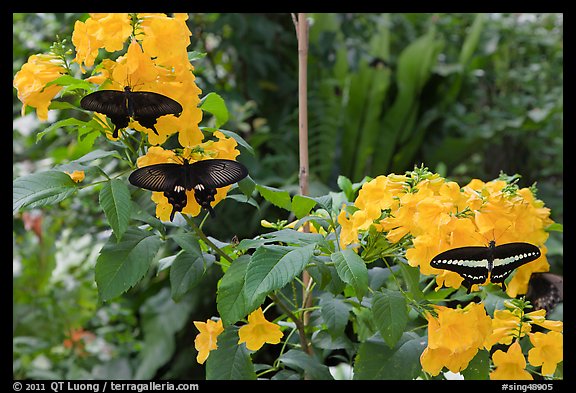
pixel 547 351
pixel 348 232
pixel 454 337
pixel 205 341
pixel 108 31
pixel 166 39
pixel 507 326
pixel 32 78
pixel 77 176
pixel 510 364
pixel 539 318
pixel 513 323
pixel 156 61
pixel 259 331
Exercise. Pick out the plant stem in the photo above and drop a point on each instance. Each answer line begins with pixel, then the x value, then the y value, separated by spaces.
pixel 298 322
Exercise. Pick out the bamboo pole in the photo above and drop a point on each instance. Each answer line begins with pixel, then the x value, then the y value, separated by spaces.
pixel 301 24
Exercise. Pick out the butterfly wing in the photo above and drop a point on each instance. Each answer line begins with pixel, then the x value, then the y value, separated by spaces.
pixel 469 262
pixel 159 177
pixel 111 103
pixel 215 173
pixel 150 104
pixel 545 290
pixel 510 256
pixel 146 107
pixel 108 102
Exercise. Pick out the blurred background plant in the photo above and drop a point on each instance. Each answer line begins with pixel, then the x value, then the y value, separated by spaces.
pixel 468 95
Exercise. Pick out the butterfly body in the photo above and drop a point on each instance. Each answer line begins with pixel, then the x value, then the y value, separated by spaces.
pixel 203 177
pixel 476 264
pixel 143 106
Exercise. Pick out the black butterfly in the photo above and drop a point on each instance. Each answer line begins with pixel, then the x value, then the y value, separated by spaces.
pixel 204 177
pixel 474 264
pixel 545 290
pixel 143 106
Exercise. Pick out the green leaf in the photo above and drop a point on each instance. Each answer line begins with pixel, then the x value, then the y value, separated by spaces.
pixel 412 277
pixel 230 299
pixel 230 361
pixel 247 186
pixel 115 201
pixel 346 185
pixel 161 319
pixel 188 242
pixel 272 267
pixel 121 265
pixel 41 189
pixel 390 315
pixel 478 368
pixel 67 80
pixel 275 196
pixel 309 364
pixel 301 205
pixel 69 122
pixel 375 360
pixel 239 140
pixel 352 270
pixel 335 313
pixel 214 104
pixel 186 272
pixel 288 236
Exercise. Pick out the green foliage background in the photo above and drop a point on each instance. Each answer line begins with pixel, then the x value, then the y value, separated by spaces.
pixel 467 95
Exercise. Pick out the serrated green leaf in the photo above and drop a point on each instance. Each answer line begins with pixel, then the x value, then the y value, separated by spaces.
pixel 230 298
pixel 189 242
pixel 69 122
pixel 288 236
pixel 186 272
pixel 301 205
pixel 214 104
pixel 275 196
pixel 67 80
pixel 115 201
pixel 390 315
pixel 41 189
pixel 352 270
pixel 230 361
pixel 335 313
pixel 375 360
pixel 95 155
pixel 121 265
pixel 309 364
pixel 272 267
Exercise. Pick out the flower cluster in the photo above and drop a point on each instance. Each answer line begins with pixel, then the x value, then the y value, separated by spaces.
pixel 456 335
pixel 257 332
pixel 31 81
pixel 156 60
pixel 439 215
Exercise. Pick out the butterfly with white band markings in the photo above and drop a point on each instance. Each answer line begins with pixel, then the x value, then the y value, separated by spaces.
pixel 475 264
